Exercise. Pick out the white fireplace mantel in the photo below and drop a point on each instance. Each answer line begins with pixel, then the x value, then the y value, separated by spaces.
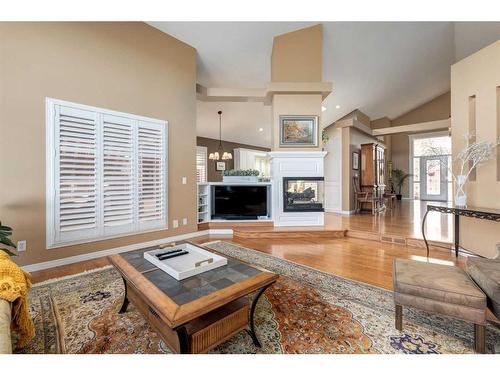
pixel 294 164
pixel 297 154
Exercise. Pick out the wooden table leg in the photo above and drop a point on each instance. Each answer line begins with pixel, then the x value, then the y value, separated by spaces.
pixel 480 338
pixel 423 233
pixel 125 303
pixel 184 344
pixel 399 317
pixel 251 331
pixel 457 233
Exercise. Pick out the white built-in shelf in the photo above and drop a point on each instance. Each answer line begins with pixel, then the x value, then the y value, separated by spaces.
pixel 203 203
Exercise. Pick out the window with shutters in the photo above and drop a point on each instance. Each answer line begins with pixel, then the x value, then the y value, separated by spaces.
pixel 201 164
pixel 106 173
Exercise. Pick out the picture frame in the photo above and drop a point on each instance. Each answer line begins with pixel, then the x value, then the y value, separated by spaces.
pixel 298 131
pixel 355 160
pixel 220 166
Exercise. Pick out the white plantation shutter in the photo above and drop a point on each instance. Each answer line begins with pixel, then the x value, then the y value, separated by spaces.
pixel 76 174
pixel 151 175
pixel 201 164
pixel 106 173
pixel 118 174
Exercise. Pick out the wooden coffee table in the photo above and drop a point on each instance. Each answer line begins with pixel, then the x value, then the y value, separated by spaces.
pixel 195 314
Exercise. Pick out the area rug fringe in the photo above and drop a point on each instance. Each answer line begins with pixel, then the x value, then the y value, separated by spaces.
pixel 57 279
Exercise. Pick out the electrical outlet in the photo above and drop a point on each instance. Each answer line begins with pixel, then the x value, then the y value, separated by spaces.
pixel 21 245
pixel 175 223
pixel 184 180
pixel 185 221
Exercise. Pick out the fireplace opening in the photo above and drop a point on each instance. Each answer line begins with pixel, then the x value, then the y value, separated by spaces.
pixel 303 194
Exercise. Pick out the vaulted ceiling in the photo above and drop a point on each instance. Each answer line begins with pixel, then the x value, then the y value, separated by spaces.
pixel 381 68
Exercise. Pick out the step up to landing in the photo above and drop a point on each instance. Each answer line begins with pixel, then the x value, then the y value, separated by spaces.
pixel 247 233
pixel 397 239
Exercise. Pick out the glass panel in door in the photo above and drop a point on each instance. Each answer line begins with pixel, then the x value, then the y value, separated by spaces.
pixel 433 178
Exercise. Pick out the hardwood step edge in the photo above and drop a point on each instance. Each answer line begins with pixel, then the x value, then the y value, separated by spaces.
pixel 289 234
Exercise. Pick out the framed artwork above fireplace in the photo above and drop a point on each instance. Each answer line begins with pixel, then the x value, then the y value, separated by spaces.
pixel 298 131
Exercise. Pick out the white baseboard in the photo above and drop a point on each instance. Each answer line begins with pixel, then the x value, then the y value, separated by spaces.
pixel 220 231
pixel 348 213
pixel 340 212
pixel 122 249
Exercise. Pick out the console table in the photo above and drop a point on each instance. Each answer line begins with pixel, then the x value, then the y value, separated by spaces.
pixel 457 211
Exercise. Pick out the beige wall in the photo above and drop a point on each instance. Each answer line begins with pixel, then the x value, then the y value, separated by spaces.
pixel 298 56
pixel 212 145
pixel 352 139
pixel 294 105
pixel 478 75
pixel 380 123
pixel 129 67
pixel 398 144
pixel 362 118
pixel 435 109
pixel 400 156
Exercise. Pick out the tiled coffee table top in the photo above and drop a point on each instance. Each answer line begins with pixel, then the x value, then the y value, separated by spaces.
pixel 192 288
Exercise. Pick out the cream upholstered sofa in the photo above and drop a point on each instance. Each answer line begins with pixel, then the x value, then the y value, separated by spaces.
pixel 5 319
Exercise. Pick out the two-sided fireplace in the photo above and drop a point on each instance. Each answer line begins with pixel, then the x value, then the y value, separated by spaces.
pixel 303 194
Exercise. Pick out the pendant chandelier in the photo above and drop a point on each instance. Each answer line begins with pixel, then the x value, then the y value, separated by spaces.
pixel 220 150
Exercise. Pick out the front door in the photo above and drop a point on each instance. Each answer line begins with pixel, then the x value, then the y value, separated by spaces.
pixel 433 178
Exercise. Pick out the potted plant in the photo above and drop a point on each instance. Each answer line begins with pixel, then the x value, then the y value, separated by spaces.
pixel 241 175
pixel 399 177
pixel 5 233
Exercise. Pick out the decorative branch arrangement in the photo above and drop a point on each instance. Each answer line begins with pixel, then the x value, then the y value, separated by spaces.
pixel 473 155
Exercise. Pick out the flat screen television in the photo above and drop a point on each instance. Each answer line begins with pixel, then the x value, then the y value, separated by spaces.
pixel 234 202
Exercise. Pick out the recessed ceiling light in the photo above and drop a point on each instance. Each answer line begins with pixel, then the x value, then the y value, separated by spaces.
pixel 261 129
pixel 337 106
pixel 323 108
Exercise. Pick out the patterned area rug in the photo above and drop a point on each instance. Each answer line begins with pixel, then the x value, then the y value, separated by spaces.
pixel 306 311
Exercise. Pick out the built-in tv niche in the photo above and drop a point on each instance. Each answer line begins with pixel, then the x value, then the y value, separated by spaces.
pixel 241 202
pixel 303 194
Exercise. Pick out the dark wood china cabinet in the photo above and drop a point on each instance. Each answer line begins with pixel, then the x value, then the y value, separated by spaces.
pixel 373 171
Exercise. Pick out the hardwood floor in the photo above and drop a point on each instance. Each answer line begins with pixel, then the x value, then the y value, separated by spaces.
pixel 358 259
pixel 69 269
pixel 404 220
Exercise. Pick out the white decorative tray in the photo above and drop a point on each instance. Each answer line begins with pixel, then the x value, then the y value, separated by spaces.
pixel 181 267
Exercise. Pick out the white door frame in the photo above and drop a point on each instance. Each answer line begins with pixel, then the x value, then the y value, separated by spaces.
pixel 412 137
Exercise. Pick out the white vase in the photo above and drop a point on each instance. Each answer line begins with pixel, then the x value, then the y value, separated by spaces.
pixel 460 194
